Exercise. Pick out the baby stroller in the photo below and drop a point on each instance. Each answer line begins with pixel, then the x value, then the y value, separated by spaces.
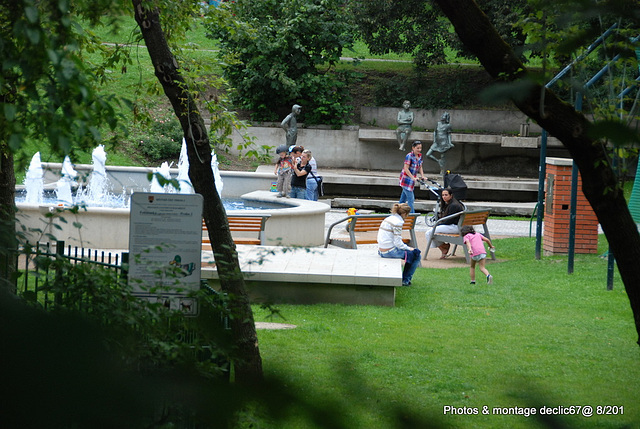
pixel 453 181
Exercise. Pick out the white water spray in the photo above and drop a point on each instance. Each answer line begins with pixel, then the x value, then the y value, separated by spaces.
pixel 216 173
pixel 183 170
pixel 163 171
pixel 66 182
pixel 98 183
pixel 33 181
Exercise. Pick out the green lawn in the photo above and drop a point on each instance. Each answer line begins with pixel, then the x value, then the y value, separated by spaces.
pixel 537 337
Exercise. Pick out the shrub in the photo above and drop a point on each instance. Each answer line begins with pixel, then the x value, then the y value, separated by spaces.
pixel 161 139
pixel 280 53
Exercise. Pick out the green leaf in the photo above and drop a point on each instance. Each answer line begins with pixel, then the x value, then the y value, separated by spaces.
pixel 63 6
pixel 33 35
pixel 14 141
pixel 32 14
pixel 9 111
pixel 53 56
pixel 614 131
pixel 64 144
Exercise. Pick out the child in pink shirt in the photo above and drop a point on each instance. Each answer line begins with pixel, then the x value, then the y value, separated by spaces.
pixel 475 243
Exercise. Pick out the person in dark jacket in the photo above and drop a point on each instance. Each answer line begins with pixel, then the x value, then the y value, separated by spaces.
pixel 450 205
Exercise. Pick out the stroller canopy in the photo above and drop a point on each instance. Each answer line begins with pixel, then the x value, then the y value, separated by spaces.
pixel 457 185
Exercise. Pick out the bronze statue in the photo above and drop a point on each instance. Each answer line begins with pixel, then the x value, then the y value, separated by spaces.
pixel 290 125
pixel 405 120
pixel 441 140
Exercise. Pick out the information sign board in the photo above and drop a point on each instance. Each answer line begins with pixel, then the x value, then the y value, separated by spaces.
pixel 165 242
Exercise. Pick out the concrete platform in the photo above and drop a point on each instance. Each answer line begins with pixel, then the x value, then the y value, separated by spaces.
pixel 314 275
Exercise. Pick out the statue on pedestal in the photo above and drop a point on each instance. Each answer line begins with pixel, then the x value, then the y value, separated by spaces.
pixel 290 125
pixel 405 120
pixel 441 141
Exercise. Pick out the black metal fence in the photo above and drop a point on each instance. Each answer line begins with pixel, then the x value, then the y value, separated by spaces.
pixel 30 274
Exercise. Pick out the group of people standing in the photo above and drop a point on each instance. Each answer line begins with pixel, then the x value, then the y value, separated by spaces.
pixel 297 171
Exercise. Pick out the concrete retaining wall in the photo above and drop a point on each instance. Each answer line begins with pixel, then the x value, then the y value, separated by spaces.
pixel 377 149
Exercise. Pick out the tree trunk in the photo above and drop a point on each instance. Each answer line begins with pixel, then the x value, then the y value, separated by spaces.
pixel 8 242
pixel 599 182
pixel 248 368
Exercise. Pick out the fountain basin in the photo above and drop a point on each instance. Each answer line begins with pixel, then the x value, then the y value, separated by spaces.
pixel 297 223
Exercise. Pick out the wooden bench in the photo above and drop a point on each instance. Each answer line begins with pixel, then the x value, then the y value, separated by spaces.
pixel 368 223
pixel 465 218
pixel 245 223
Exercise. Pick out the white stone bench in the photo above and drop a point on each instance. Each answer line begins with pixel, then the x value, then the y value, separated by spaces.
pixel 314 275
pixel 382 135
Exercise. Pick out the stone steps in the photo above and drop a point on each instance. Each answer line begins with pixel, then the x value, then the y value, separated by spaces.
pixel 380 184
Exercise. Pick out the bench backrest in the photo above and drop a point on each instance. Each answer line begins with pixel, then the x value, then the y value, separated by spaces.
pixel 244 223
pixel 241 223
pixel 364 223
pixel 474 217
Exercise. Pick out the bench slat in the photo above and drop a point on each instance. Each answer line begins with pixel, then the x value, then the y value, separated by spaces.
pixel 475 219
pixel 244 228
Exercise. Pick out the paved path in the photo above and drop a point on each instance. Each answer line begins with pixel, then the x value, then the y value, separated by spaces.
pixel 497 227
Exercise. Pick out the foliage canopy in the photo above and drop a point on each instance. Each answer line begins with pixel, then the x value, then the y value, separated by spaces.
pixel 280 53
pixel 417 27
pixel 47 90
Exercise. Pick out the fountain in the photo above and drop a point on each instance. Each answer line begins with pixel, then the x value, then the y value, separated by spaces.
pixel 105 223
pixel 95 194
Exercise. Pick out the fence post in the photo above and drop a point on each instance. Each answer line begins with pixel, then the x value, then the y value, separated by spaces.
pixel 124 265
pixel 57 299
pixel 9 269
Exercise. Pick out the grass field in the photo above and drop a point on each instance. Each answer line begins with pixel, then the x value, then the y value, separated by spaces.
pixel 537 337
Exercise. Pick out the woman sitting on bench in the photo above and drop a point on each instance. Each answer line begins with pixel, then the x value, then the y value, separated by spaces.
pixel 450 205
pixel 390 244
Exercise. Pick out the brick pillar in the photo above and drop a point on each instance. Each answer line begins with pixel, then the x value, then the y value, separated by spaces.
pixel 558 209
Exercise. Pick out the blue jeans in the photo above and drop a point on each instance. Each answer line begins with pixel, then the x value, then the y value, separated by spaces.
pixel 407 197
pixel 298 192
pixel 409 268
pixel 312 189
